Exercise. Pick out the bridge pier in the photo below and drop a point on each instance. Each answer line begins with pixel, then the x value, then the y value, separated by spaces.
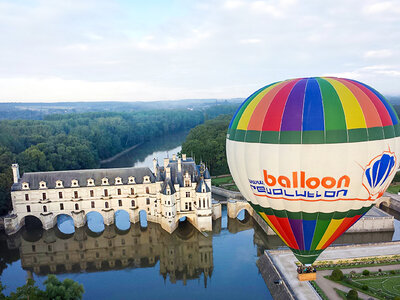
pixel 12 224
pixel 48 220
pixel 235 206
pixel 108 216
pixel 133 215
pixel 79 218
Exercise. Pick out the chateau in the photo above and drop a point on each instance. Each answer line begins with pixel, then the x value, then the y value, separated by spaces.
pixel 179 188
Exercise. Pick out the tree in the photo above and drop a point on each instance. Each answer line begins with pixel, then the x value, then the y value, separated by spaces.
pixel 66 290
pixel 55 290
pixel 352 295
pixel 365 272
pixel 337 274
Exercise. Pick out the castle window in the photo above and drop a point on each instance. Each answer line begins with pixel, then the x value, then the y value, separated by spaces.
pixel 118 180
pixel 131 179
pixel 188 194
pixel 208 202
pixel 44 208
pixel 49 248
pixel 91 193
pixel 27 197
pixel 60 195
pixel 105 192
pixel 44 196
pixel 147 190
pixel 168 191
pixel 59 183
pixel 132 191
pixel 133 203
pixel 104 180
pixel 204 203
pixel 74 183
pixel 186 206
pixel 25 185
pixel 76 196
pixel 148 201
pixel 61 206
pixel 33 248
pixel 42 184
pixel 92 204
pixel 76 206
pixel 28 208
pixel 106 204
pixel 146 179
pixel 119 191
pixel 120 202
pixel 90 182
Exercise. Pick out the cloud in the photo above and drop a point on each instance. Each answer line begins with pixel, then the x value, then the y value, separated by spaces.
pixel 383 53
pixel 120 50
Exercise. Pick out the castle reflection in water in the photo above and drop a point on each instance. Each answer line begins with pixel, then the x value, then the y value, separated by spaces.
pixel 184 255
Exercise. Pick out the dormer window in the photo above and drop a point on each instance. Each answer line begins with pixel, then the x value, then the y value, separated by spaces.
pixel 74 183
pixel 90 182
pixel 42 184
pixel 59 184
pixel 104 181
pixel 118 180
pixel 25 186
pixel 187 180
pixel 168 191
pixel 146 179
pixel 131 179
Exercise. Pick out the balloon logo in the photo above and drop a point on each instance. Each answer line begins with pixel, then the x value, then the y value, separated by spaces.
pixel 295 147
pixel 377 172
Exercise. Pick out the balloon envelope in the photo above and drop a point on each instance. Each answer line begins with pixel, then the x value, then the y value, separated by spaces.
pixel 312 155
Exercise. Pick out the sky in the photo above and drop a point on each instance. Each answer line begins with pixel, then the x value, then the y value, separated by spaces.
pixel 96 50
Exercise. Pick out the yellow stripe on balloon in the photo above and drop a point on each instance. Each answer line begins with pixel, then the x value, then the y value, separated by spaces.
pixel 352 109
pixel 248 112
pixel 264 216
pixel 333 226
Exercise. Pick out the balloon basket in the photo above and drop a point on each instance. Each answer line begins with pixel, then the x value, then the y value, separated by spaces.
pixel 307 276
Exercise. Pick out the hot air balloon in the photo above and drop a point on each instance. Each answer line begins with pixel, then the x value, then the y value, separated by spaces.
pixel 312 156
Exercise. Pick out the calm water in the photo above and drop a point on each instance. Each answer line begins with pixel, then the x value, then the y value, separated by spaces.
pixel 142 261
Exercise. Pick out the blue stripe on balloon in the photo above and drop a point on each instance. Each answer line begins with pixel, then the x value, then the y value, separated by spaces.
pixel 313 112
pixel 308 232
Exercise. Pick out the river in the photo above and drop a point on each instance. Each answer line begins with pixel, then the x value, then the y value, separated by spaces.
pixel 146 262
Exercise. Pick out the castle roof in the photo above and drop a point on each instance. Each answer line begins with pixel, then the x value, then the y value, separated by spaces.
pixel 34 178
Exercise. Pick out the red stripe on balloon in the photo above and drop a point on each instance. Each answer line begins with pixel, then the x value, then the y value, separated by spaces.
pixel 274 220
pixel 380 107
pixel 285 225
pixel 346 224
pixel 273 118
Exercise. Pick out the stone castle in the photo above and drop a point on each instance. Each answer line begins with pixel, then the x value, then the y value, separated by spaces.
pixel 179 188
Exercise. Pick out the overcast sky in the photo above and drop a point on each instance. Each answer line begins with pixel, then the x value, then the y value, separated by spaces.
pixel 53 50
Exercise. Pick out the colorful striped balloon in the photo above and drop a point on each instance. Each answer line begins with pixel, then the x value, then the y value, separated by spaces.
pixel 312 156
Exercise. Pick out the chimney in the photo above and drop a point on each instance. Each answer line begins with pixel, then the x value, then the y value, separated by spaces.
pixel 168 172
pixel 15 169
pixel 166 162
pixel 179 165
pixel 183 157
pixel 155 166
pixel 174 157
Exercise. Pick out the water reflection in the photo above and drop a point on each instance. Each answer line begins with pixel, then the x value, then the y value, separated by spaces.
pixel 143 155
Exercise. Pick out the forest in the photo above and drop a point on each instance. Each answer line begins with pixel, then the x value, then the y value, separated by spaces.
pixel 80 141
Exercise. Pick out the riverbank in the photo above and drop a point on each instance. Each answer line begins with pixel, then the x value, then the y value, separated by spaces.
pixel 110 159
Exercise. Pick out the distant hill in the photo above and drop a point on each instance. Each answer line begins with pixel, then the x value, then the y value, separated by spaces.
pixel 37 111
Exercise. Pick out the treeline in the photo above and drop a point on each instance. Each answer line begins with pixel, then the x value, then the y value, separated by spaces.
pixel 207 143
pixel 80 141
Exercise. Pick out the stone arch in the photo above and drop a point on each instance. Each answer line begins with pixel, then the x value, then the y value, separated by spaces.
pixel 27 220
pixel 95 221
pixel 33 228
pixel 65 223
pixel 235 206
pixel 122 220
pixel 382 201
pixel 143 220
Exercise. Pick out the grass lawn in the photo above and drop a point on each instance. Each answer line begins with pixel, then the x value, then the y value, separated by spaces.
pixel 222 180
pixel 394 188
pixel 388 284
